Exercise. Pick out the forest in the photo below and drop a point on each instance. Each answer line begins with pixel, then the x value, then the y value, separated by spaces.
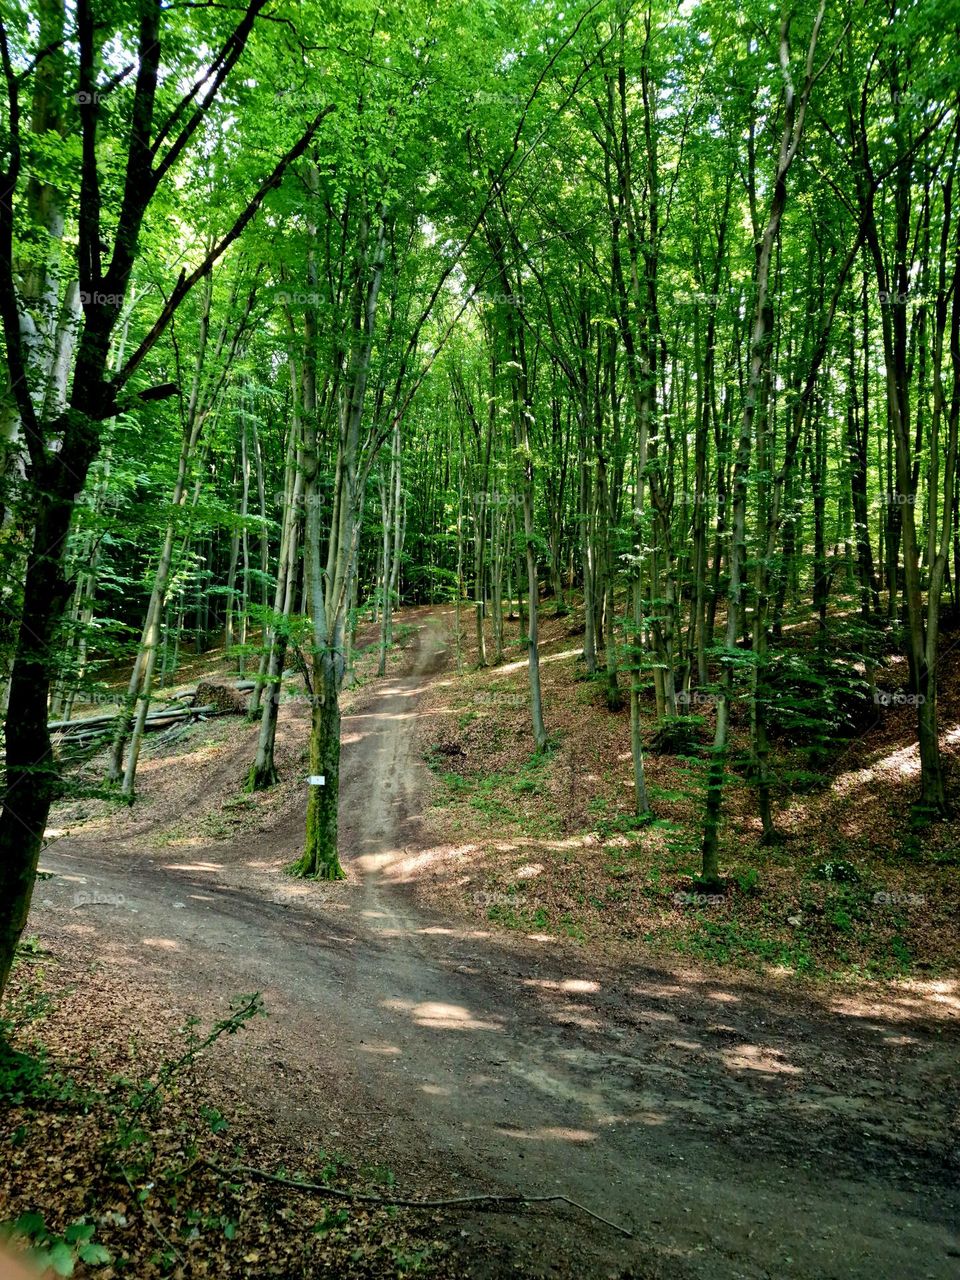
pixel 480 577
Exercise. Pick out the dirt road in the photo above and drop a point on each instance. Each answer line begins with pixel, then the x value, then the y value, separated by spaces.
pixel 736 1129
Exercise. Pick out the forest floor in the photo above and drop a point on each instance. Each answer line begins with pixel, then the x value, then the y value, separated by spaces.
pixel 549 845
pixel 436 1027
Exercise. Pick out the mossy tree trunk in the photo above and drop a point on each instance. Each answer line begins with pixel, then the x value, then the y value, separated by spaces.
pixel 321 858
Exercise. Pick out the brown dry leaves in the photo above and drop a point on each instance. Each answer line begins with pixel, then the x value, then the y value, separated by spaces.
pixel 58 1157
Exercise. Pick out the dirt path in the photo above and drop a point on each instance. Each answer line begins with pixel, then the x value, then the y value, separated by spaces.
pixel 736 1129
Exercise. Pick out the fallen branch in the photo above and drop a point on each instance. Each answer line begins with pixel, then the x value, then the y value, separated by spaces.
pixel 152 1223
pixel 517 1200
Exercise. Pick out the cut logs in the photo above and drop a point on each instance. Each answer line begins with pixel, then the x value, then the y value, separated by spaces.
pixel 209 698
pixel 227 698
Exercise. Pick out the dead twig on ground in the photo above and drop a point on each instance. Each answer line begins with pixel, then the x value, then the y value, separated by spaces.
pixel 516 1200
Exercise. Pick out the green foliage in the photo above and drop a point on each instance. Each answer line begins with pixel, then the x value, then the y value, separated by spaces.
pixel 31 1079
pixel 747 881
pixel 678 735
pixel 516 918
pixel 725 942
pixel 812 701
pixel 839 871
pixel 59 1253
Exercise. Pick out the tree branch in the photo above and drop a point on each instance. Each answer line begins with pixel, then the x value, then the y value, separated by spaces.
pixel 186 282
pixel 517 1200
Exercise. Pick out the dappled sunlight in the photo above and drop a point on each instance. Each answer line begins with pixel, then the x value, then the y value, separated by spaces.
pixel 547 1134
pixel 193 866
pixel 159 764
pixel 579 985
pixel 451 1017
pixel 481 1081
pixel 905 762
pixel 438 1016
pixel 754 1057
pixel 445 932
pixel 508 667
pixel 662 990
pixel 902 763
pixel 408 865
pixel 404 865
pixel 528 871
pixel 446 710
pixel 578 1015
pixel 911 1000
pixel 378 861
pixel 380 715
pixel 652 1119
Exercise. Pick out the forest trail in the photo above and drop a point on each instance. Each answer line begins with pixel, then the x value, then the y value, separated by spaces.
pixel 735 1129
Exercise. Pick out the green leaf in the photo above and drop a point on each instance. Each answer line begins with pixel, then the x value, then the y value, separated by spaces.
pixel 31 1225
pixel 79 1231
pixel 96 1255
pixel 60 1258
